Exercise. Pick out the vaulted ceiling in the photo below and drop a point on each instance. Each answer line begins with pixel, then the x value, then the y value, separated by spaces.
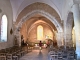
pixel 58 5
pixel 58 9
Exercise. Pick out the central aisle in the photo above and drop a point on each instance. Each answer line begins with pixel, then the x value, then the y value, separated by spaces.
pixel 36 55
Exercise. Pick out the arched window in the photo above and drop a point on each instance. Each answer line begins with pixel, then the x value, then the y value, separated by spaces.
pixel 39 32
pixel 4 28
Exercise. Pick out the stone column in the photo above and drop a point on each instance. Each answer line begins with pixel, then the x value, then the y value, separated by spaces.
pixel 68 33
pixel 68 30
pixel 76 15
pixel 18 36
pixel 60 39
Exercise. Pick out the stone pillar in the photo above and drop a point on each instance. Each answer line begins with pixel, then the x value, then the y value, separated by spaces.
pixel 18 36
pixel 68 30
pixel 68 34
pixel 60 39
pixel 76 15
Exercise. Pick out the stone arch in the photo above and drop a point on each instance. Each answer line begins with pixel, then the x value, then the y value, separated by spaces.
pixel 41 23
pixel 41 9
pixel 33 32
pixel 43 13
pixel 36 24
pixel 24 4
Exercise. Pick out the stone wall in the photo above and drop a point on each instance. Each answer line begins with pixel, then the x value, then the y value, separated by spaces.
pixel 32 34
pixel 46 32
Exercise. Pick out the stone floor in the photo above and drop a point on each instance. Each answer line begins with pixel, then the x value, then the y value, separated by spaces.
pixel 36 55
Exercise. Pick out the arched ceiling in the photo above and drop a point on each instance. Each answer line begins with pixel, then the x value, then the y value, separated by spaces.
pixel 19 5
pixel 39 9
pixel 39 19
pixel 60 6
pixel 40 22
pixel 57 8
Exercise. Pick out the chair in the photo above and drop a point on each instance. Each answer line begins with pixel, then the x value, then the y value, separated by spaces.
pixel 60 55
pixel 2 57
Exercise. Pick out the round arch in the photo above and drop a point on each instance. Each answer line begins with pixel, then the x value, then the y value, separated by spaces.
pixel 43 13
pixel 26 3
pixel 36 24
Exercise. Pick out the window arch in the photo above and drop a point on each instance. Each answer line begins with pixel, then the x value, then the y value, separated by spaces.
pixel 40 32
pixel 4 28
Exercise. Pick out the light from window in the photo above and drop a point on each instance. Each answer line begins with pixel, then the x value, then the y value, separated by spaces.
pixel 39 32
pixel 4 28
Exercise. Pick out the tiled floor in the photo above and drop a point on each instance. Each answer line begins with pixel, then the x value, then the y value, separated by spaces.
pixel 36 55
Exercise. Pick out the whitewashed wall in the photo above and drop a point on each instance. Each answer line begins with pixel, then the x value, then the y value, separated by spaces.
pixel 5 6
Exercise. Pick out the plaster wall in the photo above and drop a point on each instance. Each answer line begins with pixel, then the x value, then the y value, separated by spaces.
pixel 6 9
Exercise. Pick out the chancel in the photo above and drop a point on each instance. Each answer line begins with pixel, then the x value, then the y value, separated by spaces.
pixel 24 23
